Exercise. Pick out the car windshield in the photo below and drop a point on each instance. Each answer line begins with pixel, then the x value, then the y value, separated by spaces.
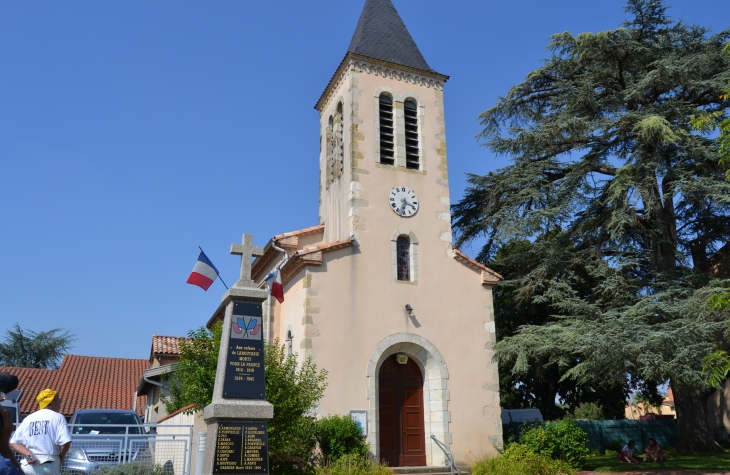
pixel 100 422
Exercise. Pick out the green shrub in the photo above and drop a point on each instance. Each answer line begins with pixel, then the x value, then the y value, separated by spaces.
pixel 338 436
pixel 590 411
pixel 294 389
pixel 610 452
pixel 133 468
pixel 353 465
pixel 562 441
pixel 518 459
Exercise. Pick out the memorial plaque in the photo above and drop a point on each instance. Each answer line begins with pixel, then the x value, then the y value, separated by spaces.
pixel 244 377
pixel 241 448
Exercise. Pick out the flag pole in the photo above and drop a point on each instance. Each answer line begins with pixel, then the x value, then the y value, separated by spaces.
pixel 219 276
pixel 268 316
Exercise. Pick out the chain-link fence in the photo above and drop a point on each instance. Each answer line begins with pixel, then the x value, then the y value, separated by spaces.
pixel 93 448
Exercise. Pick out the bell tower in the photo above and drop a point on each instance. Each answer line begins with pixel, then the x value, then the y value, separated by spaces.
pixel 383 163
pixel 403 323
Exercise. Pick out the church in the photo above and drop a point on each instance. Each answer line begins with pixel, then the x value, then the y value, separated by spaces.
pixel 375 293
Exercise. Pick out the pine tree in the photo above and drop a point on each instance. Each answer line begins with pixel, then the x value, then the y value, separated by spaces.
pixel 29 349
pixel 605 162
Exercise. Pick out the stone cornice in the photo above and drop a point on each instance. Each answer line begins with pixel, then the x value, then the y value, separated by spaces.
pixel 311 256
pixel 489 277
pixel 287 241
pixel 363 64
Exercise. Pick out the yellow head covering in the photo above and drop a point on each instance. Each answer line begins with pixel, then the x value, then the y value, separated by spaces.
pixel 45 397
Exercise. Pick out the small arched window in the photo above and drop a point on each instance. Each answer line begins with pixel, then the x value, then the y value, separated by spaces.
pixel 387 149
pixel 403 251
pixel 289 343
pixel 410 114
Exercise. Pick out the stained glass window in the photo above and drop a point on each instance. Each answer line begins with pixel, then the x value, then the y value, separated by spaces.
pixel 403 247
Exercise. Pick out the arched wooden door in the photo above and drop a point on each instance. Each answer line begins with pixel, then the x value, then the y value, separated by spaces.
pixel 402 433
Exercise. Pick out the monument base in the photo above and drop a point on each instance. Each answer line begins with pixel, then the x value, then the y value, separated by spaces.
pixel 238 409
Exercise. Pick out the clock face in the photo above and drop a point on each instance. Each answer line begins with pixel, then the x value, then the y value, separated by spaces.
pixel 403 201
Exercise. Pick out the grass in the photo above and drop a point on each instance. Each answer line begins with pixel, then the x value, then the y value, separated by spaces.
pixel 610 463
pixel 353 465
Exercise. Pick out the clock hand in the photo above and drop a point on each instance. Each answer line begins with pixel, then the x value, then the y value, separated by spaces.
pixel 406 202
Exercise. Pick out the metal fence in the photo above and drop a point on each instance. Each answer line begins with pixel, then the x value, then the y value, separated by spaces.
pixel 614 435
pixel 92 450
pixel 608 434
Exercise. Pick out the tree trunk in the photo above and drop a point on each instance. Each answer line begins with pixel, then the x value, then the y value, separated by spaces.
pixel 693 433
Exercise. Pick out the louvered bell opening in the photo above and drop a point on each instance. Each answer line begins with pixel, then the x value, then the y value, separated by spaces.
pixel 411 119
pixel 387 150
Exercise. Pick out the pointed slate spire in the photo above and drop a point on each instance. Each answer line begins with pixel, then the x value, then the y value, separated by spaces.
pixel 381 34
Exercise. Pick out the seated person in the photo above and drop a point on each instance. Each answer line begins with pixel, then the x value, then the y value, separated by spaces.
pixel 654 452
pixel 627 454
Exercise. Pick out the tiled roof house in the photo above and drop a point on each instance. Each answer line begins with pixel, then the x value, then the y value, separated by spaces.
pixel 165 350
pixel 152 383
pixel 83 382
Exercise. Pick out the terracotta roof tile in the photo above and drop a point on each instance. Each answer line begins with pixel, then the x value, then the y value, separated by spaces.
pixel 301 232
pixel 488 275
pixel 171 415
pixel 83 382
pixel 288 241
pixel 166 345
pixel 311 256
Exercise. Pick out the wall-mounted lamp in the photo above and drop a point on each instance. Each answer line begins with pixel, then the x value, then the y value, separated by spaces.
pixel 409 309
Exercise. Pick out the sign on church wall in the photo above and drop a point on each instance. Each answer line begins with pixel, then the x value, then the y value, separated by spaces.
pixel 244 377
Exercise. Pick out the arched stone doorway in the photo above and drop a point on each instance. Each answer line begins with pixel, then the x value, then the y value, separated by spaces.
pixel 435 392
pixel 402 428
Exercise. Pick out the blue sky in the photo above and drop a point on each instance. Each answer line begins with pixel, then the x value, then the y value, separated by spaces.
pixel 131 132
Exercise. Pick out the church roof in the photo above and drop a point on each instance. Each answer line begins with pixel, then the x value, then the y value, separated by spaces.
pixel 489 277
pixel 381 34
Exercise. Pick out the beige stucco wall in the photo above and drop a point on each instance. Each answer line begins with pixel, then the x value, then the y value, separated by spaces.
pixel 349 313
pixel 452 312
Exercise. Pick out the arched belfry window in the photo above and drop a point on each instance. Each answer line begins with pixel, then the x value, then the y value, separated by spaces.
pixel 337 146
pixel 329 137
pixel 387 148
pixel 410 114
pixel 403 249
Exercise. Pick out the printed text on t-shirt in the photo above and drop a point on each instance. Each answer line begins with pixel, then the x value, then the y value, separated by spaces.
pixel 38 427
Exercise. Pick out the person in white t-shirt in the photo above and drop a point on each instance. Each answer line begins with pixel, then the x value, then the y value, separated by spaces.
pixel 43 437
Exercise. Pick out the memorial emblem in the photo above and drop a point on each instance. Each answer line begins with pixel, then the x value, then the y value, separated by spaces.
pixel 246 328
pixel 244 378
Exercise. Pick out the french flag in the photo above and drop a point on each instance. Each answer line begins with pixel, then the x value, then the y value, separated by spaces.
pixel 204 273
pixel 275 287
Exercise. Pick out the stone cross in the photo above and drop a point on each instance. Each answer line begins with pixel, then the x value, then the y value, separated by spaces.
pixel 247 251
